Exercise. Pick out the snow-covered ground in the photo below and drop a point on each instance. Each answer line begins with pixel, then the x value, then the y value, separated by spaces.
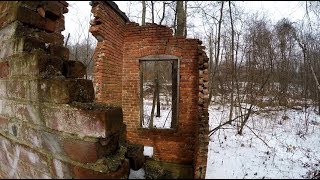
pixel 162 122
pixel 276 143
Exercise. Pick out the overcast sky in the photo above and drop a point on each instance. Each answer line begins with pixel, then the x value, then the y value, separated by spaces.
pixel 78 17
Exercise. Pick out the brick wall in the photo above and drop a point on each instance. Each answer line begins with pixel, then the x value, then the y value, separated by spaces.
pixel 109 26
pixel 188 143
pixel 49 125
pixel 151 39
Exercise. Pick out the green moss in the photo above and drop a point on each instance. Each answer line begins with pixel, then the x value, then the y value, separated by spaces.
pixel 110 163
pixel 164 170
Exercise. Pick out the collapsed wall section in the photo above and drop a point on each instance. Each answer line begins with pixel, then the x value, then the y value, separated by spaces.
pixel 122 45
pixel 108 28
pixel 49 125
pixel 140 41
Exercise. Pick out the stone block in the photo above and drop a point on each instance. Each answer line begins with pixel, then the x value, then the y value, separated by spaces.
pixel 65 91
pixel 90 124
pixel 108 145
pixel 15 46
pixel 60 51
pixel 17 11
pixel 35 63
pixel 17 29
pixel 74 69
pixel 52 9
pixel 135 156
pixel 82 151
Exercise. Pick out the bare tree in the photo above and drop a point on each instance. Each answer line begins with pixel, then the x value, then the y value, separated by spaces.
pixel 213 67
pixel 232 62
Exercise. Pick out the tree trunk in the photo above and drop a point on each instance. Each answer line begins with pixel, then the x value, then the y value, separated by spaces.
pixel 158 91
pixel 152 11
pixel 185 19
pixel 153 107
pixel 163 13
pixel 143 13
pixel 232 63
pixel 217 53
pixel 180 19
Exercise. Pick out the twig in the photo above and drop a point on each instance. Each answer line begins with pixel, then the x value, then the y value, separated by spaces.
pixel 66 43
pixel 227 122
pixel 258 136
pixel 166 118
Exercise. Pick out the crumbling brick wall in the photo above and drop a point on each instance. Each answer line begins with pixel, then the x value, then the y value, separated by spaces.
pixel 108 54
pixel 188 143
pixel 49 125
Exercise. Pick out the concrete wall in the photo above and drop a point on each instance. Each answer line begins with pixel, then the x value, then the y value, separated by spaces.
pixel 49 125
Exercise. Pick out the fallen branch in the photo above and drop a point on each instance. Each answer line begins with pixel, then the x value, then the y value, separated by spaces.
pixel 221 125
pixel 258 136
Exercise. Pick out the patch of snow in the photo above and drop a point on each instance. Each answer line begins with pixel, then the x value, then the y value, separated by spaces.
pixel 139 174
pixel 162 122
pixel 148 151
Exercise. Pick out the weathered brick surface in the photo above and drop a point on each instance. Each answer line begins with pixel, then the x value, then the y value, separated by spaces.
pixel 74 69
pixel 108 55
pixel 170 146
pixel 61 169
pixel 4 69
pixel 66 90
pixel 58 50
pixel 49 125
pixel 35 63
pixel 22 162
pixel 18 29
pixel 81 151
pixel 14 46
pixel 17 11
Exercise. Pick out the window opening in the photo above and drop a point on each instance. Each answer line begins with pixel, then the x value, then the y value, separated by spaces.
pixel 159 92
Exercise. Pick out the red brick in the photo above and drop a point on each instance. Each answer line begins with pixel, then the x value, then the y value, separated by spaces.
pixel 4 69
pixel 33 158
pixel 3 123
pixel 82 151
pixel 61 169
pixel 83 124
pixel 17 11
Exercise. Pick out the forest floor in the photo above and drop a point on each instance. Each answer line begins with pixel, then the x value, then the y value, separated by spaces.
pixel 277 142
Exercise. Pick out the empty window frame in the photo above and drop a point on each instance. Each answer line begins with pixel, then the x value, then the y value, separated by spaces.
pixel 159 93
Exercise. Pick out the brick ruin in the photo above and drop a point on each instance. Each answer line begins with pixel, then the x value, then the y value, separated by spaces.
pixel 121 46
pixel 55 124
pixel 49 125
